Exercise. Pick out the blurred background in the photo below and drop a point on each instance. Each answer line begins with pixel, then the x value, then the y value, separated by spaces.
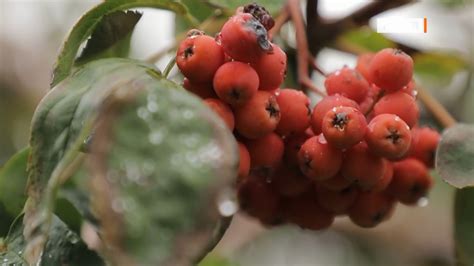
pixel 31 34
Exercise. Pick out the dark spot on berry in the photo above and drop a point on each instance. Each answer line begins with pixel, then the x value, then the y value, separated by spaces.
pixel 308 110
pixel 416 189
pixel 397 51
pixel 307 163
pixel 346 190
pixel 235 94
pixel 340 121
pixel 377 218
pixel 262 35
pixel 394 136
pixel 189 51
pixel 272 110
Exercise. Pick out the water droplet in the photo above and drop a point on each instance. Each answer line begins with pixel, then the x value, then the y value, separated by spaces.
pixel 422 202
pixel 188 114
pixel 156 137
pixel 143 113
pixel 226 203
pixel 152 106
pixel 117 205
pixel 268 179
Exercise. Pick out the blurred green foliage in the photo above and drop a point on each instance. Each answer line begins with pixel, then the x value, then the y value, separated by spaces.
pixel 438 67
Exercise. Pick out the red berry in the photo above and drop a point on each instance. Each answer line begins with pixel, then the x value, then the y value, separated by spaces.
pixel 202 90
pixel 244 162
pixel 266 151
pixel 271 68
pixel 347 82
pixel 363 62
pixel 305 212
pixel 260 13
pixel 295 112
pixel 400 104
pixel 410 181
pixel 368 103
pixel 258 117
pixel 235 83
pixel 337 202
pixel 336 183
pixel 383 183
pixel 391 69
pixel 198 57
pixel 388 136
pixel 293 144
pixel 410 89
pixel 371 208
pixel 289 181
pixel 222 110
pixel 257 198
pixel 363 167
pixel 424 143
pixel 244 38
pixel 326 104
pixel 344 126
pixel 318 160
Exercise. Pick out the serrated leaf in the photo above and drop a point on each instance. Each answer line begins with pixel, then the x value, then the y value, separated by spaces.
pixel 88 22
pixel 13 178
pixel 271 5
pixel 463 222
pixel 111 37
pixel 455 156
pixel 367 39
pixel 63 247
pixel 438 67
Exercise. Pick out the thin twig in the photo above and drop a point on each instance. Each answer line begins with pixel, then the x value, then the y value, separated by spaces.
pixel 169 67
pixel 435 107
pixel 282 18
pixel 303 54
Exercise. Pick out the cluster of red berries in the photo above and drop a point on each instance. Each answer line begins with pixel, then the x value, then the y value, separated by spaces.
pixel 356 153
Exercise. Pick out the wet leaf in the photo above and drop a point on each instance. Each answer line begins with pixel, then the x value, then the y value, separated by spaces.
pixel 111 37
pixel 63 247
pixel 438 67
pixel 13 178
pixel 159 160
pixel 455 156
pixel 464 220
pixel 89 21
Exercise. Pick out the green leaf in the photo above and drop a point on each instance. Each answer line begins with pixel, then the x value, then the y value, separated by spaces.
pixel 214 260
pixel 13 178
pixel 165 158
pixel 455 156
pixel 63 247
pixel 111 38
pixel 271 5
pixel 464 220
pixel 367 39
pixel 89 21
pixel 199 9
pixel 170 152
pixel 438 67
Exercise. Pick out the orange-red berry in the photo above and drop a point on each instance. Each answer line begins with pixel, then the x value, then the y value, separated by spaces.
pixel 199 56
pixel 295 112
pixel 326 104
pixel 235 83
pixel 258 117
pixel 391 69
pixel 222 110
pixel 318 160
pixel 400 104
pixel 347 82
pixel 266 151
pixel 371 208
pixel 388 136
pixel 410 181
pixel 271 68
pixel 344 126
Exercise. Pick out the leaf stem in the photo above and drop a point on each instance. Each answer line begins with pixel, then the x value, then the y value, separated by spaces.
pixel 169 67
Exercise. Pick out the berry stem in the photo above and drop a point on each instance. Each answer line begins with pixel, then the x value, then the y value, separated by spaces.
pixel 282 18
pixel 435 107
pixel 303 54
pixel 169 67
